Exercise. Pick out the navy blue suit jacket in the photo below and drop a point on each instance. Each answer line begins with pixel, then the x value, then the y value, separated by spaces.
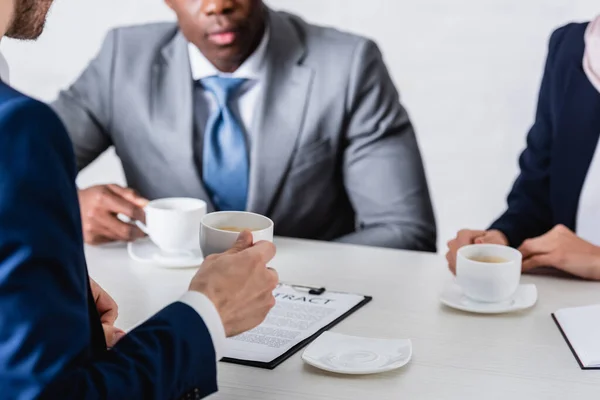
pixel 560 145
pixel 51 341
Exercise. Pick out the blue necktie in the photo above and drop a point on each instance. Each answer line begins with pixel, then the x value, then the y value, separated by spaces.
pixel 225 157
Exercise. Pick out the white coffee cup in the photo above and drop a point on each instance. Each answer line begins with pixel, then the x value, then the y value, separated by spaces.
pixel 482 277
pixel 214 239
pixel 173 224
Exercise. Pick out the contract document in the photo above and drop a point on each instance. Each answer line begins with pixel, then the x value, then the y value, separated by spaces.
pixel 299 316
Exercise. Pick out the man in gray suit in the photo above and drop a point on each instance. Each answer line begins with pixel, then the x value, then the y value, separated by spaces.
pixel 249 108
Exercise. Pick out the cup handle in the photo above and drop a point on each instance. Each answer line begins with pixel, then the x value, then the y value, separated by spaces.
pixel 127 220
pixel 142 227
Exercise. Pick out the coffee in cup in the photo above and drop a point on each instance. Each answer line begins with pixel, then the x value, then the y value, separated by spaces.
pixel 489 259
pixel 220 230
pixel 487 272
pixel 235 229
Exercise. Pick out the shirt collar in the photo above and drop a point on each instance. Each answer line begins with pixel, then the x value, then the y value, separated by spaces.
pixel 4 71
pixel 252 68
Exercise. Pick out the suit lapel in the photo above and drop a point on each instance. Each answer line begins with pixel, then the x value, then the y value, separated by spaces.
pixel 172 106
pixel 579 132
pixel 280 114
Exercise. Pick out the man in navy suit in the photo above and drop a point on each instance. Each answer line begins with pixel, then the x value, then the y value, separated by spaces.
pixel 51 338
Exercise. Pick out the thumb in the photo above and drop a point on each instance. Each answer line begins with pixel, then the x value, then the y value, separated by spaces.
pixel 243 242
pixel 112 334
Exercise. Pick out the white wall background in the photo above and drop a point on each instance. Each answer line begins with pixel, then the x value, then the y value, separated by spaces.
pixel 468 72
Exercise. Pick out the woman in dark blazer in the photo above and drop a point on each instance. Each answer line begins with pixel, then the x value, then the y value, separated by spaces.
pixel 553 214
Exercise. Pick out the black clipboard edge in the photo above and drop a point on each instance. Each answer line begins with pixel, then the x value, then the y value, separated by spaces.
pixel 571 347
pixel 273 364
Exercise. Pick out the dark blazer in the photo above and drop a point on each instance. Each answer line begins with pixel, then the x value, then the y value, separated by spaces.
pixel 51 341
pixel 560 145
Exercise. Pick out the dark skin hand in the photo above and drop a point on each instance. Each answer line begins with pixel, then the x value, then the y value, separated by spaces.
pixel 100 206
pixel 225 31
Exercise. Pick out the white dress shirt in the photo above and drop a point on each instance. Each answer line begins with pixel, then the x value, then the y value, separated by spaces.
pixel 243 104
pixel 588 211
pixel 4 72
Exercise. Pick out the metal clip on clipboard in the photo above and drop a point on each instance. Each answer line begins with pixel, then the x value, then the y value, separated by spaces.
pixel 311 290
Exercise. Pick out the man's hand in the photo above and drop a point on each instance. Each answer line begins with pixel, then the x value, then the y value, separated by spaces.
pixel 239 284
pixel 108 311
pixel 99 208
pixel 467 237
pixel 561 248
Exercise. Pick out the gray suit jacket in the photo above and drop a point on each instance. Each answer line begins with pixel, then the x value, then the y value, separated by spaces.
pixel 333 154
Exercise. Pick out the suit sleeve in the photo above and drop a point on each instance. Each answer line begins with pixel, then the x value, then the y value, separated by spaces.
pixel 45 332
pixel 86 107
pixel 529 213
pixel 383 171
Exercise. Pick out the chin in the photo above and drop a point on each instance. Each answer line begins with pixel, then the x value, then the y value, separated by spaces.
pixel 231 54
pixel 29 19
pixel 31 33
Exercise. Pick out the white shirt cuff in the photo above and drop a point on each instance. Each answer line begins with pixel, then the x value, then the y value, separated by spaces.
pixel 207 310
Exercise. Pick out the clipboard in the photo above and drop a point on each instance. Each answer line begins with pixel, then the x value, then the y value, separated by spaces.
pixel 300 345
pixel 564 335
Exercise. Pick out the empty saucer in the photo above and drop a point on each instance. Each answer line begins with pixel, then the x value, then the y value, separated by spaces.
pixel 145 251
pixel 354 355
pixel 525 297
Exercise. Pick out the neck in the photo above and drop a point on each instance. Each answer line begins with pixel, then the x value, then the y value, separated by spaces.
pixel 6 14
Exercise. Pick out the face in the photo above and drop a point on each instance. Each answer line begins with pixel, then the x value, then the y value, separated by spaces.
pixel 225 31
pixel 29 19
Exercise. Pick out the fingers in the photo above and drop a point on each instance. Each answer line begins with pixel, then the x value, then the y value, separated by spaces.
pixel 100 206
pixel 467 237
pixel 485 239
pixel 451 259
pixel 463 238
pixel 274 276
pixel 261 253
pixel 100 230
pixel 493 237
pixel 129 195
pixel 542 260
pixel 112 335
pixel 117 204
pixel 535 246
pixel 107 307
pixel 97 240
pixel 254 312
pixel 243 242
pixel 119 230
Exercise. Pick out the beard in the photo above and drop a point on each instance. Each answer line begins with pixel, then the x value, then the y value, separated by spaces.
pixel 29 19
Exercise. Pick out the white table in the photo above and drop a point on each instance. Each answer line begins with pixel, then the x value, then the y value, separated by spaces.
pixel 456 355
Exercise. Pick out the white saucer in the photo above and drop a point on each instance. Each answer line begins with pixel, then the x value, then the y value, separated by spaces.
pixel 145 251
pixel 354 355
pixel 525 297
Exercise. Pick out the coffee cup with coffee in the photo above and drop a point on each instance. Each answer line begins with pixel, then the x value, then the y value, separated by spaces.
pixel 173 224
pixel 488 273
pixel 220 230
